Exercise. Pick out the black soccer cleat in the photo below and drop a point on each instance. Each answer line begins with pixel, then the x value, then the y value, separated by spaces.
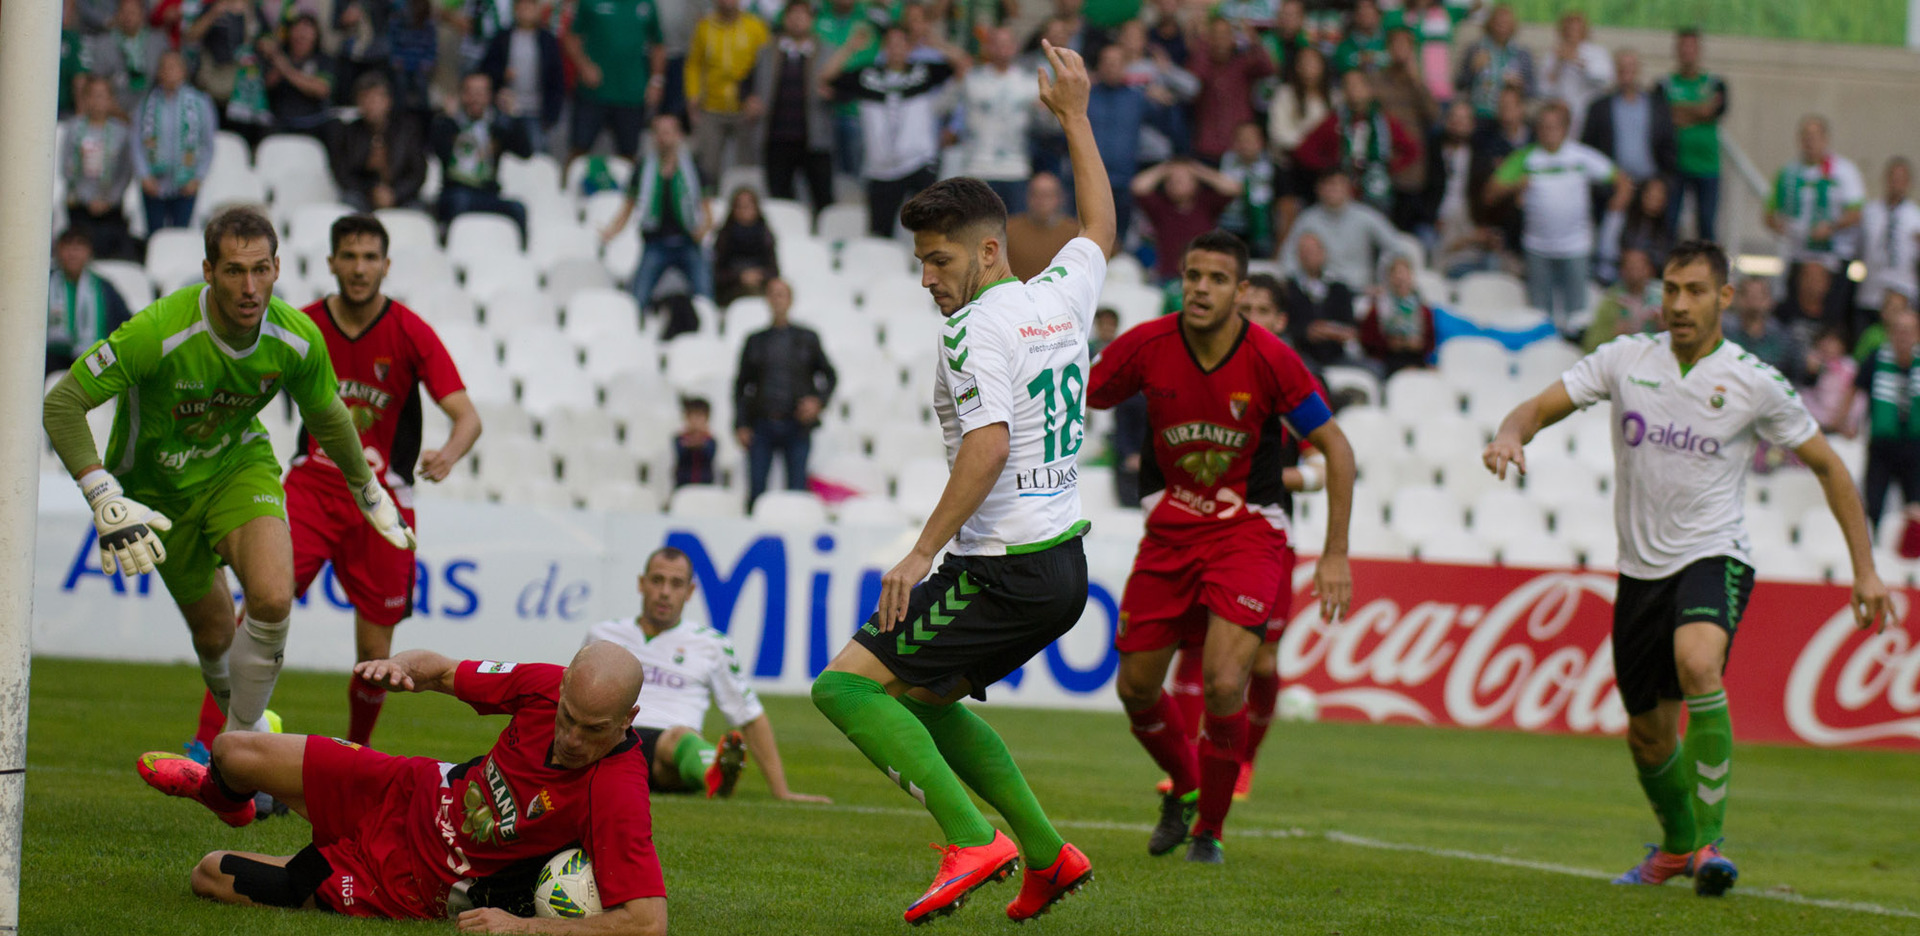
pixel 1206 849
pixel 1176 817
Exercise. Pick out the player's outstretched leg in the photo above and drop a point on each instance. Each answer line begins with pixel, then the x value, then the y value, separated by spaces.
pixel 254 880
pixel 261 553
pixel 900 746
pixel 1223 735
pixel 244 763
pixel 1710 749
pixel 979 757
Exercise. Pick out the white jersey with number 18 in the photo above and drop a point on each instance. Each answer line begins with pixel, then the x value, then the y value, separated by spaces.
pixel 1017 354
pixel 1682 444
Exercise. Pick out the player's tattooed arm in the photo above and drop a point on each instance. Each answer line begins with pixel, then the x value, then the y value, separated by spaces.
pixel 411 670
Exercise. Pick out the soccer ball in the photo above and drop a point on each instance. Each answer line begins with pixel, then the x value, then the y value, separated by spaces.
pixel 1297 704
pixel 565 887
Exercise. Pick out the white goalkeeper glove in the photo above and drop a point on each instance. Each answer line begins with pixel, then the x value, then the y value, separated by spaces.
pixel 129 530
pixel 380 511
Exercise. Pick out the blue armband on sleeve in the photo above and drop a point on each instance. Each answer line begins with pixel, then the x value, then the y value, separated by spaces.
pixel 1311 414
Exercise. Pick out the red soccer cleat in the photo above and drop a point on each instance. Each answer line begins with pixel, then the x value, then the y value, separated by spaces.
pixel 1040 890
pixel 1243 787
pixel 1658 867
pixel 962 871
pixel 724 772
pixel 1165 786
pixel 175 775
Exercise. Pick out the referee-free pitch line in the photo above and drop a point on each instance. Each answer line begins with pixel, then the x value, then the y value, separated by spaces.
pixel 1360 841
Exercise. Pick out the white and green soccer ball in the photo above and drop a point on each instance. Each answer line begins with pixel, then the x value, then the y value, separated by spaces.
pixel 565 887
pixel 1297 704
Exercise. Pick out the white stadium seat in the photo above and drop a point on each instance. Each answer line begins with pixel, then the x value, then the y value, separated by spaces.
pixel 292 158
pixel 531 348
pixel 870 512
pixel 174 256
pixel 1416 394
pixel 695 358
pixel 1469 360
pixel 841 222
pixel 129 279
pixel 704 502
pixel 408 227
pixel 1505 515
pixel 546 392
pixel 613 354
pixel 554 243
pixel 921 482
pixel 1457 546
pixel 802 258
pixel 786 218
pixel 791 510
pixel 1418 512
pixel 475 240
pixel 226 188
pixel 535 177
pixel 418 270
pixel 309 230
pixel 517 308
pixel 1358 379
pixel 567 277
pixel 868 258
pixel 593 313
pixel 1481 293
pixel 1542 362
pixel 504 273
pixel 597 463
pixel 1538 552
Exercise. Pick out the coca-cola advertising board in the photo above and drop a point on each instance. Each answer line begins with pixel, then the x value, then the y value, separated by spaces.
pixel 1497 647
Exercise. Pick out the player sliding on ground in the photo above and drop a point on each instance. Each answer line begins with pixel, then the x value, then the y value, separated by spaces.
pixel 688 665
pixel 405 837
pixel 1008 387
pixel 1214 564
pixel 1688 409
pixel 382 354
pixel 194 484
pixel 1306 472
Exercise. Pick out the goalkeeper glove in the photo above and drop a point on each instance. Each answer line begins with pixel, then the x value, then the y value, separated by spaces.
pixel 129 530
pixel 378 506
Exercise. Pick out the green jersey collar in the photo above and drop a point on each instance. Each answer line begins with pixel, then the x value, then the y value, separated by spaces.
pixel 1685 368
pixel 999 282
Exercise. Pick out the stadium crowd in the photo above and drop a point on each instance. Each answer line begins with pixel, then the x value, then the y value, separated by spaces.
pixel 1360 145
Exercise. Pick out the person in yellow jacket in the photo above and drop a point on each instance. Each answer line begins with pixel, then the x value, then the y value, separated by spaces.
pixel 725 44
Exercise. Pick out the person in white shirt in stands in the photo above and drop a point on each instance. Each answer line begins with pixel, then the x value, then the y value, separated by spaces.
pixel 1890 232
pixel 1552 178
pixel 687 667
pixel 1579 68
pixel 1688 408
pixel 998 104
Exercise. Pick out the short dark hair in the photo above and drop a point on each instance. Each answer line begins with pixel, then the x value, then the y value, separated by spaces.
pixel 242 223
pixel 695 404
pixel 1687 32
pixel 669 553
pixel 357 225
pixel 1222 242
pixel 1690 251
pixel 952 205
pixel 1106 312
pixel 370 81
pixel 73 235
pixel 1267 282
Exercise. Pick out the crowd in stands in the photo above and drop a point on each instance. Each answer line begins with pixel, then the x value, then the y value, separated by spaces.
pixel 1356 145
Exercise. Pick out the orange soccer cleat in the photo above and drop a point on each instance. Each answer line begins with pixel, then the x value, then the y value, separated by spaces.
pixel 1657 867
pixel 962 871
pixel 724 772
pixel 176 775
pixel 1040 890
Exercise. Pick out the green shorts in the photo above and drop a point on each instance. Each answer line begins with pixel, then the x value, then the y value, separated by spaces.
pixel 250 490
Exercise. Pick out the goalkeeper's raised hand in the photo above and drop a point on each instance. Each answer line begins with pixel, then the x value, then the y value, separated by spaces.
pixel 129 530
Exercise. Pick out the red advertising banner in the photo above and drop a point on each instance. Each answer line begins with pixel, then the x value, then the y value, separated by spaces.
pixel 1531 649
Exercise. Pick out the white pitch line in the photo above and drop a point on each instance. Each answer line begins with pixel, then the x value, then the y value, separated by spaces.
pixel 1361 841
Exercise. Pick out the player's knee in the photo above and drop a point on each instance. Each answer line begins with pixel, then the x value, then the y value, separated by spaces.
pixel 1266 664
pixel 1699 676
pixel 270 604
pixel 1136 694
pixel 1650 744
pixel 206 879
pixel 1225 692
pixel 233 752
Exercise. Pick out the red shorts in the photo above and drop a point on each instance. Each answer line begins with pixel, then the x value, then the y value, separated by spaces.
pixel 1244 576
pixel 1282 608
pixel 361 803
pixel 327 525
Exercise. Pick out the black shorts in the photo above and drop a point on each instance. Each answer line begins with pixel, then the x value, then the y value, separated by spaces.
pixel 1646 612
pixel 649 742
pixel 979 618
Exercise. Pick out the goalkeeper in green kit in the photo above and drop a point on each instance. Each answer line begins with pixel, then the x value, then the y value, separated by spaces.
pixel 190 483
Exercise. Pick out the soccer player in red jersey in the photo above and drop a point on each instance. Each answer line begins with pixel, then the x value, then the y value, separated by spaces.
pixel 1212 562
pixel 382 353
pixel 403 837
pixel 1303 472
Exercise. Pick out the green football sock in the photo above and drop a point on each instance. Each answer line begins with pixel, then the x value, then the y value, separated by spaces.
pixel 1668 788
pixel 899 745
pixel 982 761
pixel 693 755
pixel 1710 751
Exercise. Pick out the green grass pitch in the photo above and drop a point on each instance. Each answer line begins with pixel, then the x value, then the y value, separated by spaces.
pixel 1352 829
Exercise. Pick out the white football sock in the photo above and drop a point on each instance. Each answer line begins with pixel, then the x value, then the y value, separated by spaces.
pixel 258 647
pixel 214 673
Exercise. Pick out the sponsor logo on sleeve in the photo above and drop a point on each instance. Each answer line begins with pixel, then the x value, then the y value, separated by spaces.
pixel 966 397
pixel 494 666
pixel 101 359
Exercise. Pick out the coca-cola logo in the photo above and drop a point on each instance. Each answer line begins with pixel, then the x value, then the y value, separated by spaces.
pixel 1881 674
pixel 1496 665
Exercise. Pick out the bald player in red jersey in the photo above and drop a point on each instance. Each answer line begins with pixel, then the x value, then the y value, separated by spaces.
pixel 406 837
pixel 383 354
pixel 1212 564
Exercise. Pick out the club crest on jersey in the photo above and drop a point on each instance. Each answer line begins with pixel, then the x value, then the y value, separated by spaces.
pixel 1237 404
pixel 539 805
pixel 1719 398
pixel 380 368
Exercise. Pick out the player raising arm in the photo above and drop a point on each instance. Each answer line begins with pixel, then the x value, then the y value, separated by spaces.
pixel 1688 408
pixel 402 837
pixel 194 483
pixel 1008 387
pixel 688 666
pixel 1214 563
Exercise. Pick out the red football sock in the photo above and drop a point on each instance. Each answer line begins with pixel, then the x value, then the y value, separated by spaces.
pixel 211 721
pixel 1222 740
pixel 1189 691
pixel 1158 732
pixel 363 709
pixel 1262 691
pixel 216 795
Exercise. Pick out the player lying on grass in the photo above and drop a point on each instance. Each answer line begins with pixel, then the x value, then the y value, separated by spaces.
pixel 1688 408
pixel 1008 385
pixel 687 667
pixel 382 354
pixel 1259 304
pixel 399 837
pixel 194 484
pixel 1213 564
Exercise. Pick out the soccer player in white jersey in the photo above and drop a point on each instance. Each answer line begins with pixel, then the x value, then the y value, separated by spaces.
pixel 1688 408
pixel 1008 389
pixel 688 667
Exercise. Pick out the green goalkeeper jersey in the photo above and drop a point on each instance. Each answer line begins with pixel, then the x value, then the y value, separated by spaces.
pixel 187 403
